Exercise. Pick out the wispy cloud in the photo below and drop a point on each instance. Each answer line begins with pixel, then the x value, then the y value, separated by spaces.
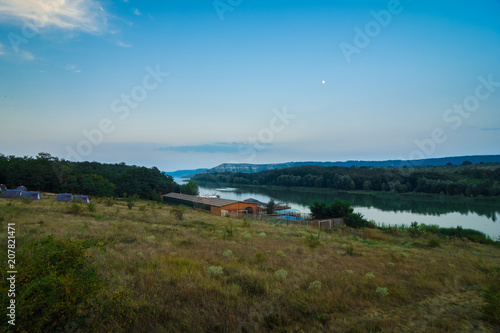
pixel 27 56
pixel 1 49
pixel 123 44
pixel 84 15
pixel 72 68
pixel 137 12
pixel 219 147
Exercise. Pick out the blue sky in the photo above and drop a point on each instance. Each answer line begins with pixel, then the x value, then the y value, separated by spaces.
pixel 189 84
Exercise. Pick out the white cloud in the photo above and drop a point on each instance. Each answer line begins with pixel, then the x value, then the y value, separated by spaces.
pixel 26 55
pixel 85 15
pixel 137 12
pixel 1 49
pixel 72 68
pixel 123 44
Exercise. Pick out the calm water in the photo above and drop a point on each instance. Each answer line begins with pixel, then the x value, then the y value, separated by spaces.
pixel 480 214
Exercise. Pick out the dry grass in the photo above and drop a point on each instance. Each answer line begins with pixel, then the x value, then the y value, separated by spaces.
pixel 163 262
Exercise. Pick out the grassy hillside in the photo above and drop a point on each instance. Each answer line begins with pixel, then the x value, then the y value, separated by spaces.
pixel 111 268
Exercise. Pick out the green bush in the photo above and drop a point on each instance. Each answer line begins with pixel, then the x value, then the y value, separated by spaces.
pixel 57 285
pixel 434 242
pixel 75 208
pixel 323 210
pixel 355 220
pixel 91 207
pixel 312 241
pixel 178 212
pixel 109 202
pixel 214 271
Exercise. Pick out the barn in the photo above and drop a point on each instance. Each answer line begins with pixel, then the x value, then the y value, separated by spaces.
pixel 216 206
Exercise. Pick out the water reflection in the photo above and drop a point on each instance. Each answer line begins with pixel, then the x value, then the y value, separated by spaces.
pixel 383 208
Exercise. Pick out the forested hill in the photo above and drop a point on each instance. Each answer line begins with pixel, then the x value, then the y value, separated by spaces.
pixel 47 173
pixel 456 160
pixel 468 180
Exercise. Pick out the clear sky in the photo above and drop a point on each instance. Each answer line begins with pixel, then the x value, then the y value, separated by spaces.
pixel 188 84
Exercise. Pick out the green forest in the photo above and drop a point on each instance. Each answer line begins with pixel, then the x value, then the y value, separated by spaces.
pixel 50 174
pixel 467 180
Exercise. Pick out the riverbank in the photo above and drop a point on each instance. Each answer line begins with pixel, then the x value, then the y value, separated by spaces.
pixel 381 194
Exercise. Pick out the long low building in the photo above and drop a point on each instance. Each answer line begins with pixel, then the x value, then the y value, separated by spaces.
pixel 216 206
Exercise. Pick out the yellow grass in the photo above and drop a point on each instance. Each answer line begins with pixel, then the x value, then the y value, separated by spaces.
pixel 162 262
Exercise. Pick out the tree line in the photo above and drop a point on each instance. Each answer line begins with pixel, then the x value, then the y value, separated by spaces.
pixel 467 180
pixel 50 174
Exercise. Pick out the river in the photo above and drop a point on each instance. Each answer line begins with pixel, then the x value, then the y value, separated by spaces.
pixel 387 208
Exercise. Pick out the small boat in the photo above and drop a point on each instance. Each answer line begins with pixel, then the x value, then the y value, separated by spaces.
pixel 213 195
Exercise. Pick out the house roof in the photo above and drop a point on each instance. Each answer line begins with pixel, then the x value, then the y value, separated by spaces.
pixel 217 202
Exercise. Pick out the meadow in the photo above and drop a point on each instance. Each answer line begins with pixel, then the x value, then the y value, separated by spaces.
pixel 150 267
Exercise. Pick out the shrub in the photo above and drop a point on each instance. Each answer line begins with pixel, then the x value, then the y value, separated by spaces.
pixel 57 284
pixel 315 285
pixel 312 242
pixel 227 253
pixel 281 253
pixel 131 200
pixel 415 230
pixel 75 208
pixel 355 220
pixel 91 207
pixel 350 250
pixel 323 210
pixel 281 273
pixel 434 242
pixel 109 202
pixel 214 271
pixel 178 212
pixel 246 223
pixel 382 292
pixel 130 204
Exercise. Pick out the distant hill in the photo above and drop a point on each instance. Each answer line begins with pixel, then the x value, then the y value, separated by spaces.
pixel 253 168
pixel 184 173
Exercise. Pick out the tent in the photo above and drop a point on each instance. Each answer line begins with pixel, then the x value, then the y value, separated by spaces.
pixel 83 198
pixel 12 194
pixel 32 195
pixel 22 188
pixel 66 197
